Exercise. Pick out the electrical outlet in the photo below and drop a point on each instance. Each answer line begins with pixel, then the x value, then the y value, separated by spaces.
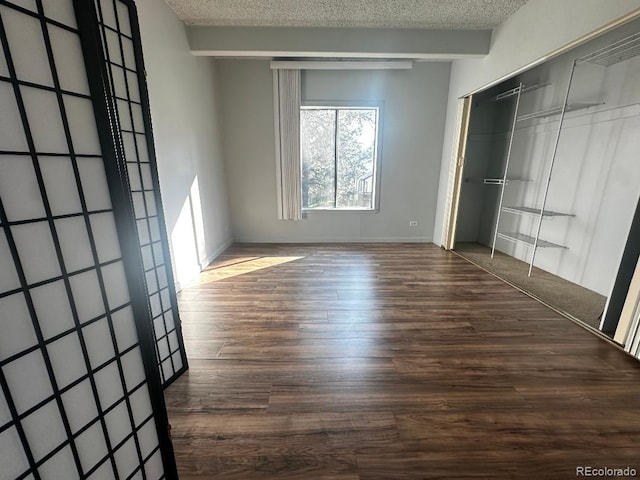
pixel 413 223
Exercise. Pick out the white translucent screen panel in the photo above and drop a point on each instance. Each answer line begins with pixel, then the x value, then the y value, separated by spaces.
pixel 73 389
pixel 19 183
pixel 125 87
pixel 12 135
pixel 26 41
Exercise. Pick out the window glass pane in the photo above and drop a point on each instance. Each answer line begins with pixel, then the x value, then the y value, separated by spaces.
pixel 338 154
pixel 317 132
pixel 356 150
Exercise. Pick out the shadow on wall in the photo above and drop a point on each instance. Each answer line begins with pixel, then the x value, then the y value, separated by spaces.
pixel 188 239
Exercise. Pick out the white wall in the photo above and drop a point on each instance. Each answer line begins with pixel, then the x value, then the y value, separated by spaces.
pixel 184 108
pixel 536 29
pixel 228 41
pixel 414 108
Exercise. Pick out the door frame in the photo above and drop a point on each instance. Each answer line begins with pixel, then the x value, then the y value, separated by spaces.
pixel 455 173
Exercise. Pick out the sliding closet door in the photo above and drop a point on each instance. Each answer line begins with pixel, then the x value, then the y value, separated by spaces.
pixel 80 393
pixel 120 37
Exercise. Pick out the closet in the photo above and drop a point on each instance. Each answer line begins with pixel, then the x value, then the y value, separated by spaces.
pixel 551 177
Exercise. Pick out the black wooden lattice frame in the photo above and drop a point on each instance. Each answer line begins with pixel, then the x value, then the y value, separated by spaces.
pixel 130 259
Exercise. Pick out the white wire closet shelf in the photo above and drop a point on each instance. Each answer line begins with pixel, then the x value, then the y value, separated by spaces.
pixel 517 237
pixel 620 51
pixel 524 89
pixel 556 111
pixel 616 52
pixel 517 210
pixel 502 181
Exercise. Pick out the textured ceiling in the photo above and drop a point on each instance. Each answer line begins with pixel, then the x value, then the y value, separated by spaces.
pixel 445 14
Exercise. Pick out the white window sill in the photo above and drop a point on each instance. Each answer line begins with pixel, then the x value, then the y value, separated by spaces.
pixel 349 209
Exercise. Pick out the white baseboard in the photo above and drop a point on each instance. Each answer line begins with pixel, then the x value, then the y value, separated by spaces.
pixel 216 253
pixel 210 258
pixel 336 240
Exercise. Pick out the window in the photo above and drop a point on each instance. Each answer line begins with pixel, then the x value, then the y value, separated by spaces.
pixel 339 149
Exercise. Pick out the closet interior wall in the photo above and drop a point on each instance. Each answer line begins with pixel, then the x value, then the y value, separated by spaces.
pixel 596 175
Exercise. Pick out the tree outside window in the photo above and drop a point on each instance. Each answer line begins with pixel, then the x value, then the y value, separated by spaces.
pixel 338 152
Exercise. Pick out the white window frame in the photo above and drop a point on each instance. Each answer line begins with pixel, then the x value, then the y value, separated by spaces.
pixel 342 105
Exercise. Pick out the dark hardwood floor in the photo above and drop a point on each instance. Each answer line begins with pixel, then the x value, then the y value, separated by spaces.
pixel 390 362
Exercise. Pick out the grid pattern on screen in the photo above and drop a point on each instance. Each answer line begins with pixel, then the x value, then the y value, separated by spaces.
pixel 122 53
pixel 74 398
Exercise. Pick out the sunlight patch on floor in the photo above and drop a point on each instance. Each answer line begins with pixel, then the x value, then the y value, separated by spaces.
pixel 216 273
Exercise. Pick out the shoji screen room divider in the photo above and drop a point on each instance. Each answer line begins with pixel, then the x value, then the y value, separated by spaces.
pixel 89 327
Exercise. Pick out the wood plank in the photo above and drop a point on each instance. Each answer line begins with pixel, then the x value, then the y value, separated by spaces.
pixel 389 361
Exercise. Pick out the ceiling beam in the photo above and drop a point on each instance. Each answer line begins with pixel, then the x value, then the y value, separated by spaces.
pixel 287 42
